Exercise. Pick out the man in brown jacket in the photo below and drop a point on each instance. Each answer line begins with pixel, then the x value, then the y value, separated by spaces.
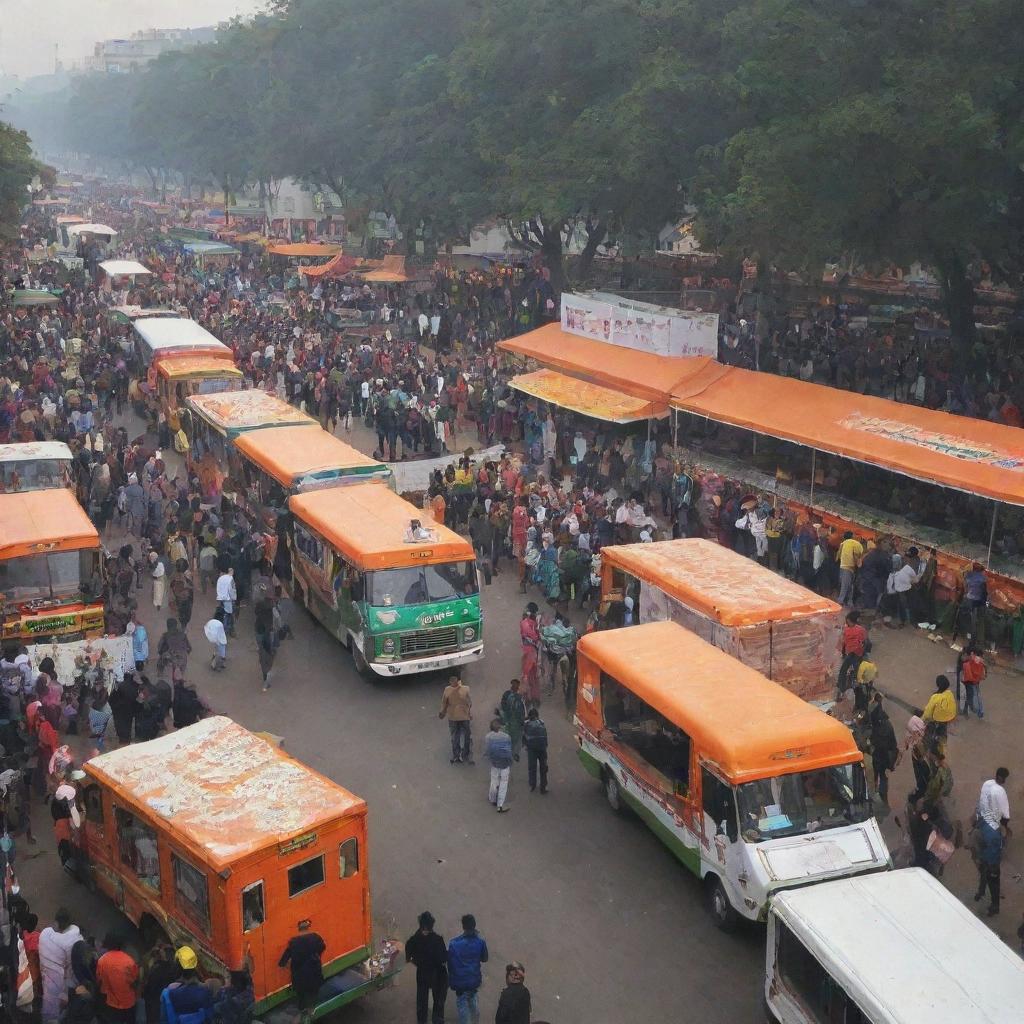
pixel 457 707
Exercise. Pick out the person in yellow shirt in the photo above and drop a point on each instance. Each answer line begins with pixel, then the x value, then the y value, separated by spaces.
pixel 941 707
pixel 864 687
pixel 850 553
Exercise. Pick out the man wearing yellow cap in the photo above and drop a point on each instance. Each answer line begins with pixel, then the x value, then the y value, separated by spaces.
pixel 188 1000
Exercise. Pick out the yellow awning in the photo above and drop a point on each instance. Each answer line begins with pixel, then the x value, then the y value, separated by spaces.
pixel 588 399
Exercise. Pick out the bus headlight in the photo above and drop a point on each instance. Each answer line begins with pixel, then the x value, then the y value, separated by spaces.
pixel 389 646
pixel 469 634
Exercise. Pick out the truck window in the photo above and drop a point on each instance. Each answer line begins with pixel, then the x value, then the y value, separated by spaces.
pixel 191 893
pixel 349 858
pixel 648 733
pixel 719 804
pixel 94 805
pixel 136 844
pixel 253 914
pixel 821 996
pixel 309 547
pixel 307 875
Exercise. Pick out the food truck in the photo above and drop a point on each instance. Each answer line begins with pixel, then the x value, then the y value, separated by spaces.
pixel 275 464
pixel 217 421
pixel 878 949
pixel 402 600
pixel 35 466
pixel 50 568
pixel 753 789
pixel 786 632
pixel 214 837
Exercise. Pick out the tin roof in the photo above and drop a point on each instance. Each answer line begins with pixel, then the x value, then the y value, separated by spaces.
pixel 223 790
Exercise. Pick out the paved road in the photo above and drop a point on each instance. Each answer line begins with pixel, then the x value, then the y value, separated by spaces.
pixel 609 926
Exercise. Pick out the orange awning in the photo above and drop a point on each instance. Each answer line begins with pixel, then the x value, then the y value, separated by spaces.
pixel 970 455
pixel 340 266
pixel 391 271
pixel 640 374
pixel 305 249
pixel 580 396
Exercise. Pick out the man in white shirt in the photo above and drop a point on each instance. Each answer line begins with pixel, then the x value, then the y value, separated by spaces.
pixel 902 580
pixel 227 594
pixel 992 830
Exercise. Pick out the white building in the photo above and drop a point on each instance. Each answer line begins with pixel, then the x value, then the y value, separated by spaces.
pixel 122 56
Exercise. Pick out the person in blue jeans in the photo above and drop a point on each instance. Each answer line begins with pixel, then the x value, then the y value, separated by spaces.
pixel 466 952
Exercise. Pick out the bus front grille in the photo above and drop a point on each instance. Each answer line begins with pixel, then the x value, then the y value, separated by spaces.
pixel 422 640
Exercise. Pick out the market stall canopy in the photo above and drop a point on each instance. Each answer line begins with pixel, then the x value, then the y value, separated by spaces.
pixel 130 314
pixel 340 266
pixel 971 455
pixel 123 268
pixel 200 248
pixel 391 271
pixel 640 374
pixel 91 229
pixel 717 581
pixel 69 218
pixel 592 400
pixel 33 297
pixel 298 249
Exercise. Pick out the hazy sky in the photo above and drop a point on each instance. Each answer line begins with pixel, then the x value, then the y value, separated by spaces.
pixel 28 31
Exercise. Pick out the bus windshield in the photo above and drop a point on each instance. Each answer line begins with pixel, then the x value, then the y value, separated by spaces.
pixel 421 584
pixel 34 475
pixel 791 805
pixel 57 576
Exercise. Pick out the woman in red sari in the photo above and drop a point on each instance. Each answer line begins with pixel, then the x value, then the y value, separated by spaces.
pixel 520 524
pixel 529 636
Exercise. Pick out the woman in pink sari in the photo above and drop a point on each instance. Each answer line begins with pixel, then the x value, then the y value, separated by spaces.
pixel 529 672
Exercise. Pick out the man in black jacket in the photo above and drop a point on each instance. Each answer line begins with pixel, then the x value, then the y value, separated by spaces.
pixel 427 950
pixel 514 1003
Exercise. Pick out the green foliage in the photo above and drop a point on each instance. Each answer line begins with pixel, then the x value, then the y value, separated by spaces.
pixel 17 168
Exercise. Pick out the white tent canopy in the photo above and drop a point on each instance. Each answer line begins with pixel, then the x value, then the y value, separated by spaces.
pixel 91 229
pixel 123 268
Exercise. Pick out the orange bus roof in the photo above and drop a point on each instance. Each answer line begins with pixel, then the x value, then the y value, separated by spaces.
pixel 718 582
pixel 213 364
pixel 288 455
pixel 52 519
pixel 640 374
pixel 750 727
pixel 231 411
pixel 222 790
pixel 367 524
pixel 971 455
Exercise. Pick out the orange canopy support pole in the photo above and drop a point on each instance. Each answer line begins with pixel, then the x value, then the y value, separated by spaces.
pixel 992 534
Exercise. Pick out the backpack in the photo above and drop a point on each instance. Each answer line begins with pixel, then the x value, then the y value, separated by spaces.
pixel 59 809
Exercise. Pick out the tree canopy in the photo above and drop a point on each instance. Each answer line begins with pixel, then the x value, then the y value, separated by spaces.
pixel 801 130
pixel 17 169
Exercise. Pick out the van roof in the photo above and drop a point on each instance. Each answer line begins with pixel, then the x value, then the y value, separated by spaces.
pixel 718 582
pixel 213 364
pixel 893 940
pixel 232 411
pixel 222 790
pixel 367 525
pixel 750 727
pixel 32 451
pixel 288 455
pixel 164 333
pixel 52 517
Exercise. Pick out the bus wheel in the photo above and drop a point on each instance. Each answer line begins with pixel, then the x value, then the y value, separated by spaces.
pixel 718 903
pixel 613 793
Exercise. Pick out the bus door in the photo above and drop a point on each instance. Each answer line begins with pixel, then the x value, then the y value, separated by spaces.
pixel 254 916
pixel 96 837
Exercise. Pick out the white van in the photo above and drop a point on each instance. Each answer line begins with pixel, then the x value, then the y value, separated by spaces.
pixel 890 948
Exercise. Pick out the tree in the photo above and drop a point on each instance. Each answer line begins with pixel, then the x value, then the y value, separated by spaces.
pixel 889 131
pixel 17 168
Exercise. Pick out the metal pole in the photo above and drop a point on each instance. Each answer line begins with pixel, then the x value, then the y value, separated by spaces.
pixel 992 534
pixel 755 444
pixel 648 428
pixel 814 457
pixel 675 429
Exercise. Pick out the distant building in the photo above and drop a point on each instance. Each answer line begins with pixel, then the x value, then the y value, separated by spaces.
pixel 293 209
pixel 123 56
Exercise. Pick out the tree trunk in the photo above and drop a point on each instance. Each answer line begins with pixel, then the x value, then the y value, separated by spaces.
pixel 154 179
pixel 596 234
pixel 958 298
pixel 554 257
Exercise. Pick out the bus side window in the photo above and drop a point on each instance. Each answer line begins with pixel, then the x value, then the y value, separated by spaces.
pixel 719 804
pixel 137 848
pixel 253 914
pixel 348 858
pixel 94 805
